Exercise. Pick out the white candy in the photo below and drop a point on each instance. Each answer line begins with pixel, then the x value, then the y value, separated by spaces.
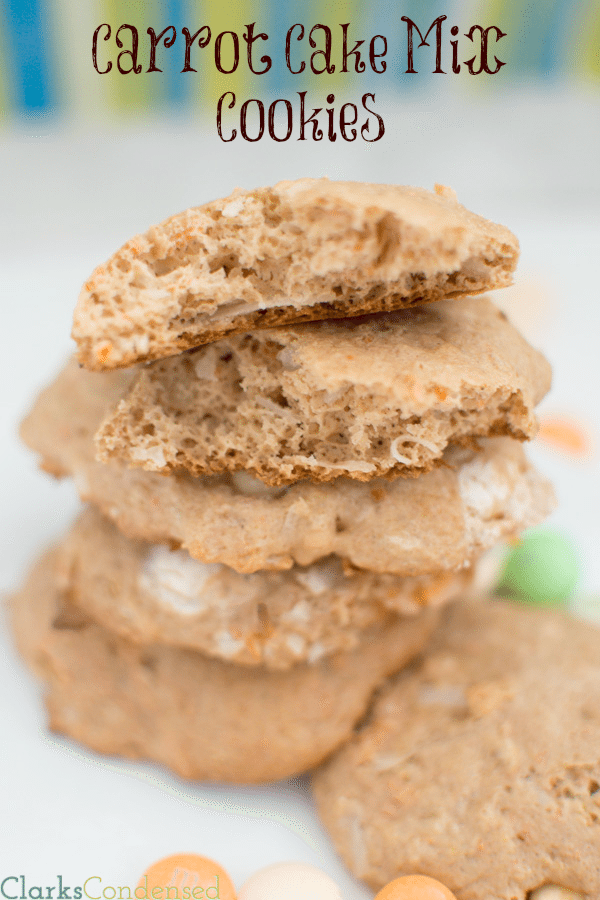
pixel 553 892
pixel 290 881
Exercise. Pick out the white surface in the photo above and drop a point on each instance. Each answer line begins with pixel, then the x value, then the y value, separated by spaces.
pixel 68 200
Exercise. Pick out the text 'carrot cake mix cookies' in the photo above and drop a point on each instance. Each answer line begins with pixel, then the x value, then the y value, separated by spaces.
pixel 280 511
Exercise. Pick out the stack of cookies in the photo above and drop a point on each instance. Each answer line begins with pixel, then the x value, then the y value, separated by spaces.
pixel 293 457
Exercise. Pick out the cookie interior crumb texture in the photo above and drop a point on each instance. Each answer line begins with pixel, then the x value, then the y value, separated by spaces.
pixel 410 527
pixel 307 249
pixel 364 397
pixel 480 765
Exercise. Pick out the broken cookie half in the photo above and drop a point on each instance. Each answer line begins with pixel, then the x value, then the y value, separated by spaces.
pixel 406 526
pixel 364 397
pixel 302 250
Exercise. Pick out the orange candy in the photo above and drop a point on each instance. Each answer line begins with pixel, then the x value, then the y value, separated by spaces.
pixel 564 435
pixel 415 887
pixel 185 876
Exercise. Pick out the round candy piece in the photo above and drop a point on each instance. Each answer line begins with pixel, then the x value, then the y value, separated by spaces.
pixel 542 568
pixel 554 892
pixel 185 876
pixel 290 881
pixel 415 887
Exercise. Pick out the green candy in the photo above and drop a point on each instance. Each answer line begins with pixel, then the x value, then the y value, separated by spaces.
pixel 542 568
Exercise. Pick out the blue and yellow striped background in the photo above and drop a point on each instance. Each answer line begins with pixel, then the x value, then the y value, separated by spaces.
pixel 46 65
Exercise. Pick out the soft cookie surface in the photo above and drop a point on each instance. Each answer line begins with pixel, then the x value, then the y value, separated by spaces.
pixel 481 767
pixel 203 718
pixel 409 527
pixel 363 397
pixel 147 593
pixel 307 249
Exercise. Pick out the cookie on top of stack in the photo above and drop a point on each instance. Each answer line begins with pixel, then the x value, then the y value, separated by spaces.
pixel 296 460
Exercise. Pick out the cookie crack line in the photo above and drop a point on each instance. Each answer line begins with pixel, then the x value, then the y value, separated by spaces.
pixel 377 397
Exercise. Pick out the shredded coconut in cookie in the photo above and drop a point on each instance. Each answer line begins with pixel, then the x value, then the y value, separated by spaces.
pixel 177 580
